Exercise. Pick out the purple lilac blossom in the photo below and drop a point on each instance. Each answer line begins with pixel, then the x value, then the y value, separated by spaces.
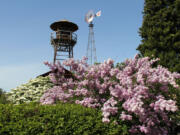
pixel 105 86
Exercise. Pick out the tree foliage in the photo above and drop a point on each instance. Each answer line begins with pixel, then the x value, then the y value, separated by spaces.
pixel 3 97
pixel 160 32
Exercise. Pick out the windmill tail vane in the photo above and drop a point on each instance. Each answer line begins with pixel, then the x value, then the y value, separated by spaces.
pixel 98 14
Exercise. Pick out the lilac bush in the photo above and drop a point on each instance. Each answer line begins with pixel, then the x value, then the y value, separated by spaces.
pixel 140 90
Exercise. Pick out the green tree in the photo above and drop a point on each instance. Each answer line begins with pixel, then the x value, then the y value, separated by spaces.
pixel 3 98
pixel 160 32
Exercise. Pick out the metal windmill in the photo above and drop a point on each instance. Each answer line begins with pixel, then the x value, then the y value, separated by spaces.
pixel 91 49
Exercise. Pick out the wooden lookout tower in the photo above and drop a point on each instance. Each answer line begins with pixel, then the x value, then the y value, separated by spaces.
pixel 63 39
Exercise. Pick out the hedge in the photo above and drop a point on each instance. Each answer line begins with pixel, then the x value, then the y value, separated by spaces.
pixel 60 119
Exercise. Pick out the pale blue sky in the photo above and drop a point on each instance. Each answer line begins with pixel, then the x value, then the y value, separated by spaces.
pixel 25 33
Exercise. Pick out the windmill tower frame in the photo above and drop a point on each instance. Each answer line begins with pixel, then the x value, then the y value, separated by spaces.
pixel 91 48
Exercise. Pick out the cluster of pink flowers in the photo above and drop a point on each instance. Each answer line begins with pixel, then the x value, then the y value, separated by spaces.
pixel 108 109
pixel 164 105
pixel 125 116
pixel 139 87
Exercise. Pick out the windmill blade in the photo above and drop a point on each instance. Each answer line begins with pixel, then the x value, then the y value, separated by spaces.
pixel 89 16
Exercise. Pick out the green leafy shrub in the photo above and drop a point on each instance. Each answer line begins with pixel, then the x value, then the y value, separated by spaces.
pixel 30 91
pixel 60 119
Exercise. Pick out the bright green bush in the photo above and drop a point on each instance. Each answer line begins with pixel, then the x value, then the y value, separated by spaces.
pixel 60 119
pixel 30 91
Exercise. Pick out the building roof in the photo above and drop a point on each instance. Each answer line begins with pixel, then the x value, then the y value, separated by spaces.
pixel 67 74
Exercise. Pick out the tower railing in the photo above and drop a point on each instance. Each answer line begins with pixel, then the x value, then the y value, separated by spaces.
pixel 63 37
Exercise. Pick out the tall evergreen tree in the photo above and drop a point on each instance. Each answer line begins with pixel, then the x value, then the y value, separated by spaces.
pixel 160 32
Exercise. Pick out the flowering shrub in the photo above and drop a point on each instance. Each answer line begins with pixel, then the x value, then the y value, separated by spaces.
pixel 31 91
pixel 135 93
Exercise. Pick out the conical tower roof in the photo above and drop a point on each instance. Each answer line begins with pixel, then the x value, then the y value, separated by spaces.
pixel 64 25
